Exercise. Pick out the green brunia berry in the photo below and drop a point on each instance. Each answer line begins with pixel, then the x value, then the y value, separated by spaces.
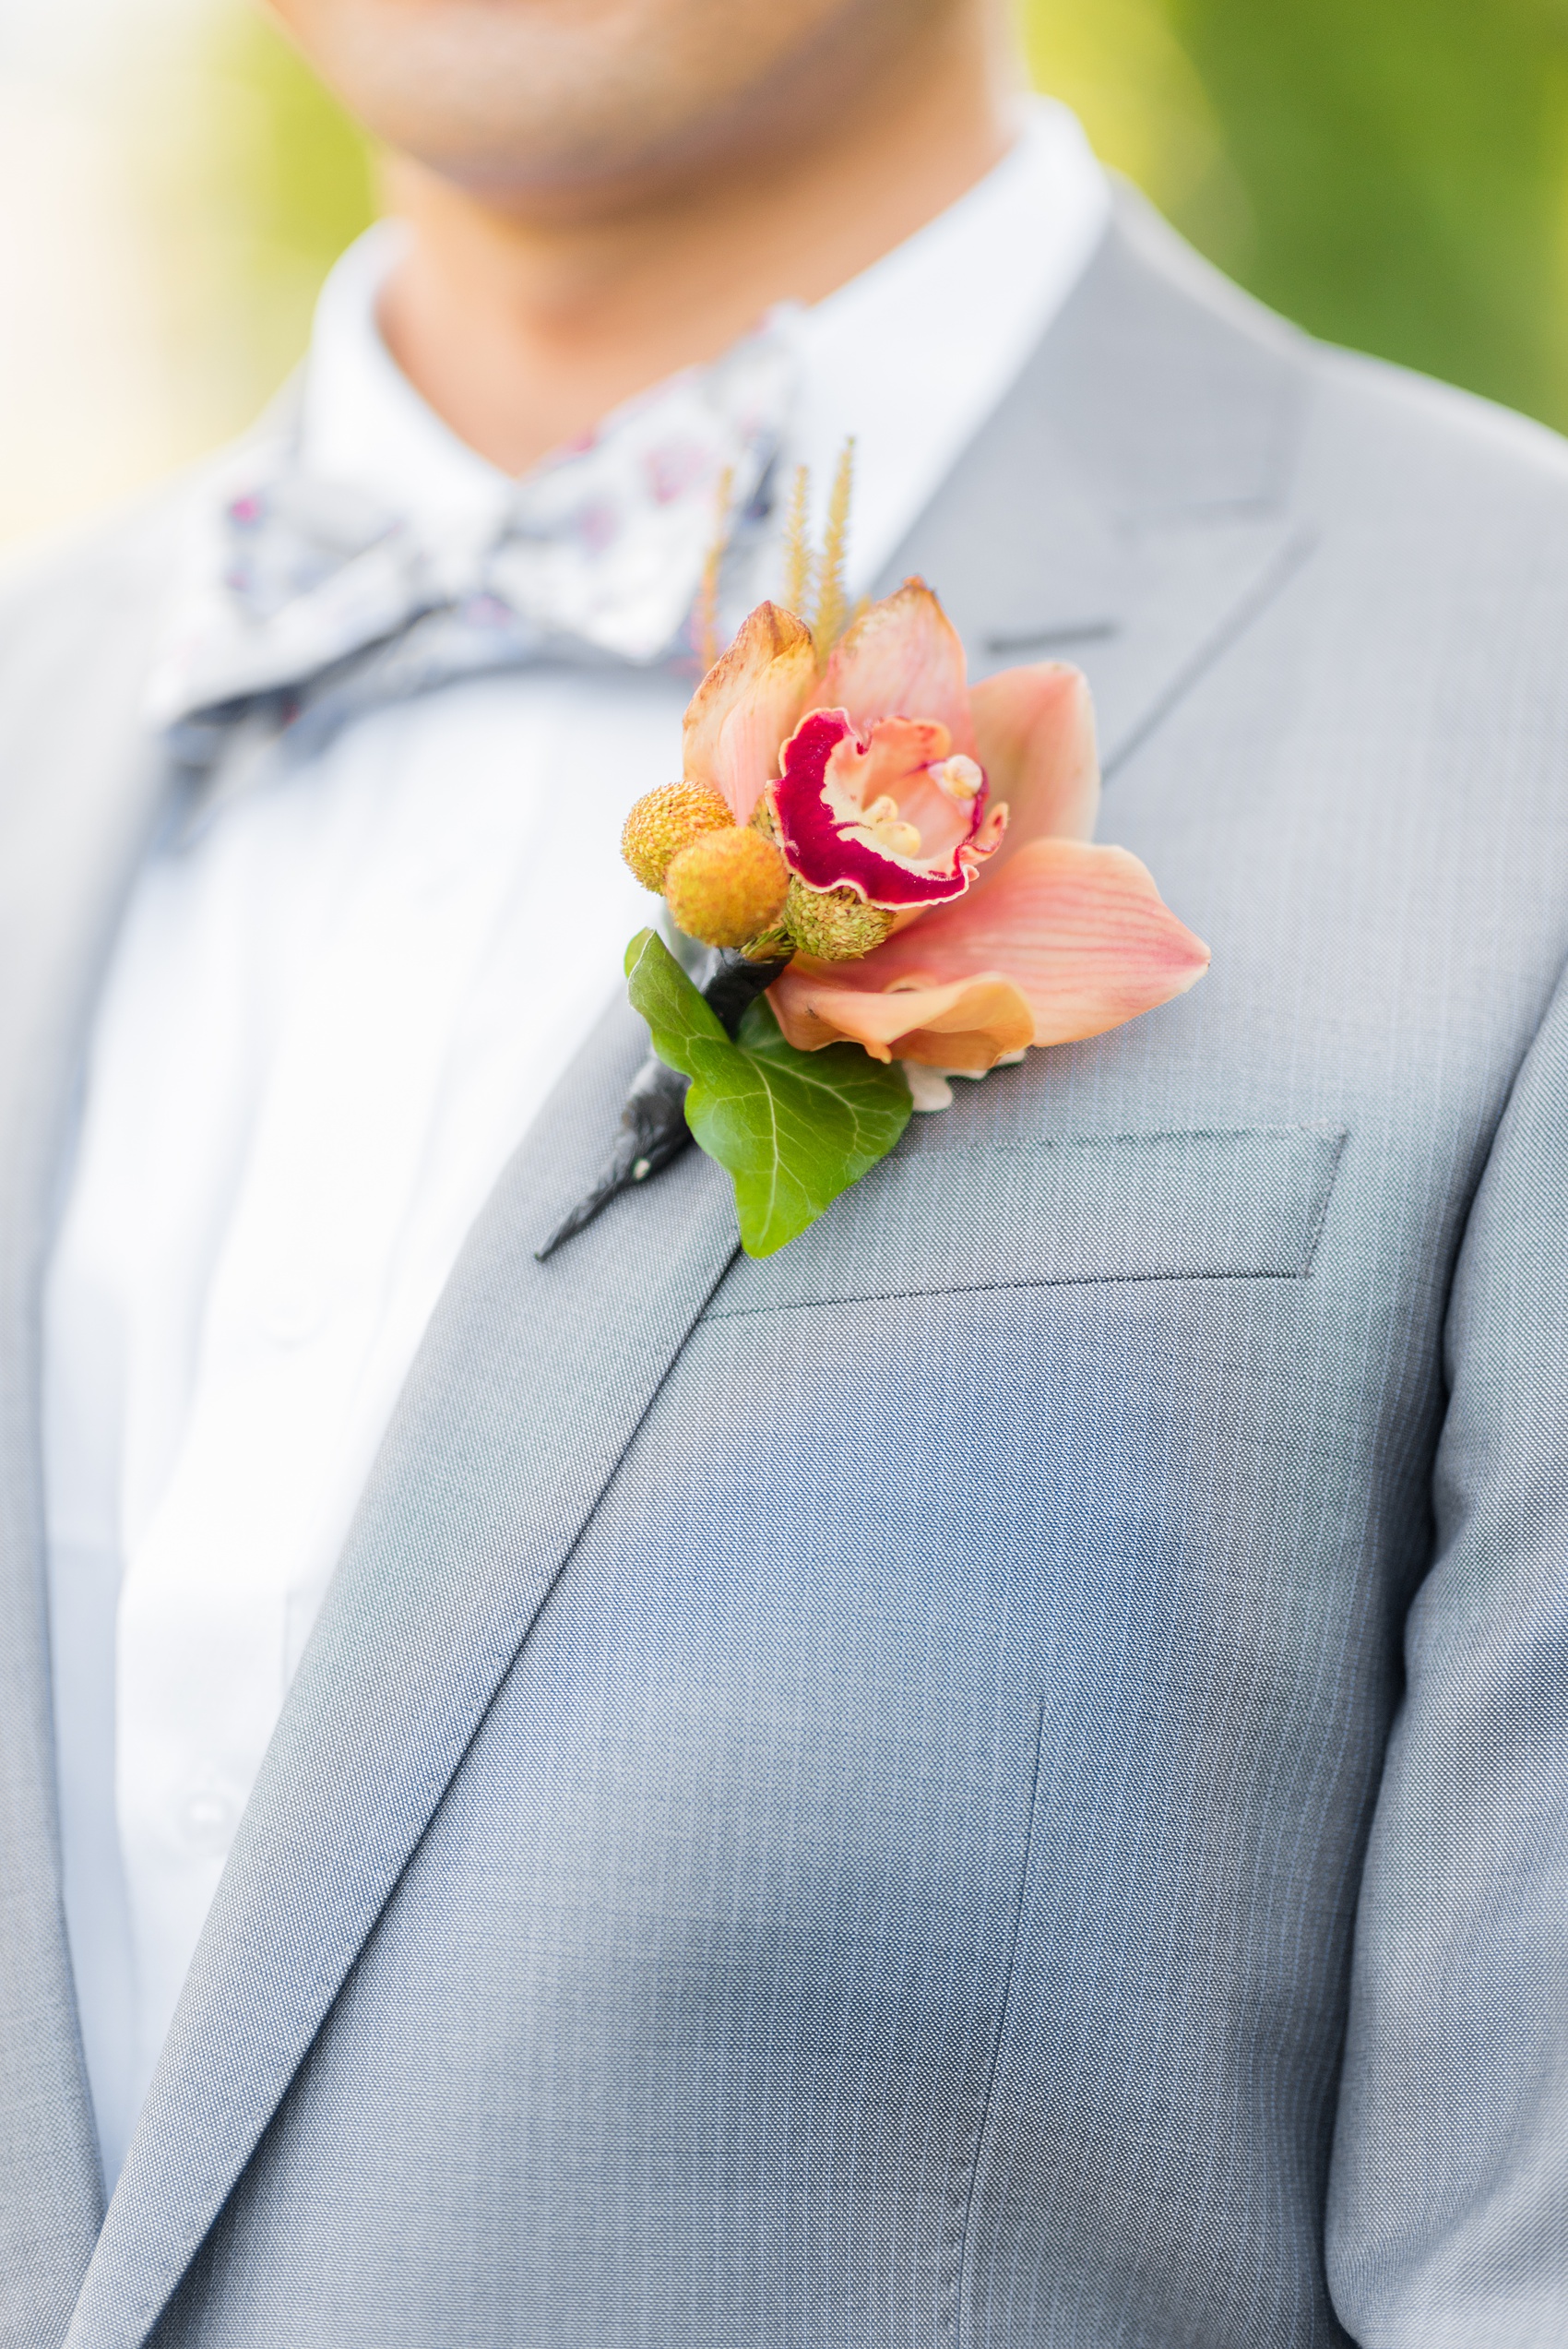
pixel 836 925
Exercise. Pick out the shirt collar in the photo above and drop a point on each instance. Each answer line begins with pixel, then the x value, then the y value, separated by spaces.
pixel 361 421
pixel 909 357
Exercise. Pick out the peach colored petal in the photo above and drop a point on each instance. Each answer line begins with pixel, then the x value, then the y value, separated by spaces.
pixel 747 705
pixel 1080 931
pixel 1035 727
pixel 902 659
pixel 967 1023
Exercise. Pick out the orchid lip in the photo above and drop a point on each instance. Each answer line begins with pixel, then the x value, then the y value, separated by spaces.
pixel 836 832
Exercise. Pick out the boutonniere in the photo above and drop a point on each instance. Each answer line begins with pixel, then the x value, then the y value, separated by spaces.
pixel 895 880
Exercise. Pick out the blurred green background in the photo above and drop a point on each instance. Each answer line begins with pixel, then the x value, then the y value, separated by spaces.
pixel 1393 173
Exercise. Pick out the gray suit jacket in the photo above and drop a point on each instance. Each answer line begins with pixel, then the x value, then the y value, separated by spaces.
pixel 1002 1776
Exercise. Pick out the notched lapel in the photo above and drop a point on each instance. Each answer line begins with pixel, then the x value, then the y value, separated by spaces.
pixel 1193 592
pixel 1127 507
pixel 530 1384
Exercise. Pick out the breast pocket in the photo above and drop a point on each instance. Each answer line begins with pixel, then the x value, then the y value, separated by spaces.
pixel 1249 1204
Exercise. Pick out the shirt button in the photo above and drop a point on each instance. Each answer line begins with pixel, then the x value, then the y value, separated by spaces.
pixel 292 1310
pixel 208 1817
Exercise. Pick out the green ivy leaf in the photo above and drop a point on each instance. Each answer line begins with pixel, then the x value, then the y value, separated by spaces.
pixel 673 1006
pixel 792 1129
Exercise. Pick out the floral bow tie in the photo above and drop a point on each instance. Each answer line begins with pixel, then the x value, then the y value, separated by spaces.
pixel 329 604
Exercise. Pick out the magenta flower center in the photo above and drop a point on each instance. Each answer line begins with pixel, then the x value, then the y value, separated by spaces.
pixel 897 816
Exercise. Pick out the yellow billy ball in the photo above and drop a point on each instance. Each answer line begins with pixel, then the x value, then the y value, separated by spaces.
pixel 665 821
pixel 727 888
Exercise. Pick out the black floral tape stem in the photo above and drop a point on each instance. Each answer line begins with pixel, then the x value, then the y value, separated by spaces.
pixel 653 1123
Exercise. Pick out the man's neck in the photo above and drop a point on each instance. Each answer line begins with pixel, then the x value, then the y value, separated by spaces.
pixel 522 332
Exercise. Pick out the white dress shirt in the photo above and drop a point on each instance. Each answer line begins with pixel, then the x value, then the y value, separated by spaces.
pixel 330 1019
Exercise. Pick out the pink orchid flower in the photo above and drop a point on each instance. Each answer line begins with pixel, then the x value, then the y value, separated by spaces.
pixel 968 813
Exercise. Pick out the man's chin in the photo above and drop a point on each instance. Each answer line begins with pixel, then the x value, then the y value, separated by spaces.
pixel 565 107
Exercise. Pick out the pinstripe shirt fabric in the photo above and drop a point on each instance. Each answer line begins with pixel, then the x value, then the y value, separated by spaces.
pixel 997 1778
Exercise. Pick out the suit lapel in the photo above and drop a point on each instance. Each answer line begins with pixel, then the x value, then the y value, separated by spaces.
pixel 530 1384
pixel 1192 594
pixel 81 789
pixel 1126 507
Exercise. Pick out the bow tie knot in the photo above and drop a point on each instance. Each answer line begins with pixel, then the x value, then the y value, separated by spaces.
pixel 325 600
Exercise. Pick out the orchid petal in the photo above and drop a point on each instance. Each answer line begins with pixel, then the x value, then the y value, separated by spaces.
pixel 969 1023
pixel 747 705
pixel 1037 743
pixel 1080 933
pixel 902 659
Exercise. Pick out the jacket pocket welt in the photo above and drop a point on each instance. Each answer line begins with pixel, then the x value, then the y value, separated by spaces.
pixel 1034 1214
